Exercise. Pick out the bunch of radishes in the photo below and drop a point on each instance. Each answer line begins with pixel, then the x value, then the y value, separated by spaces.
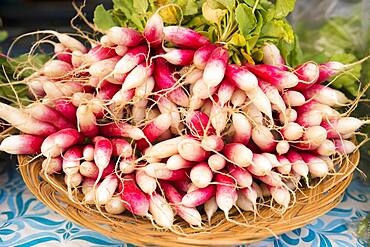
pixel 162 131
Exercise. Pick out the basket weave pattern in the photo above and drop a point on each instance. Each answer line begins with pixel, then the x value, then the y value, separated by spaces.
pixel 310 204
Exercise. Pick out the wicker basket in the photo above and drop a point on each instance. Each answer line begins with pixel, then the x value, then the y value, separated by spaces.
pixel 311 203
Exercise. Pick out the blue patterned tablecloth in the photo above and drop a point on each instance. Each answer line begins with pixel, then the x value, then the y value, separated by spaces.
pixel 24 221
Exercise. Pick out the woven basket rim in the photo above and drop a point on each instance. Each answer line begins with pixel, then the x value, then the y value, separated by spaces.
pixel 319 201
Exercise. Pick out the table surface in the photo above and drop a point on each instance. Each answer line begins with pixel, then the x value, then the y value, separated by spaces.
pixel 25 221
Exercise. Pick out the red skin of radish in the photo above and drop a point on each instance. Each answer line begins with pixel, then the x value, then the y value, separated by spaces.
pixel 125 36
pixel 153 31
pixel 22 144
pixel 202 55
pixel 166 174
pixel 57 143
pixel 325 95
pixel 215 68
pixel 103 150
pixel 71 160
pixel 309 118
pixel 63 54
pixel 316 166
pixel 90 170
pixel 134 199
pixel 342 126
pixel 182 185
pixel 199 196
pixel 87 121
pixel 179 57
pixel 344 146
pixel 241 77
pixel 49 115
pixel 24 122
pixel 198 122
pixel 279 78
pixel 99 52
pixel 242 176
pixel 164 80
pixel 308 73
pixel 226 194
pixel 184 37
pixel 107 90
pixel 154 129
pixel 121 130
pixel 132 58
pixel 225 92
pixel 190 215
pixel 327 70
pixel 238 153
pixel 66 109
pixel 121 148
pixel 243 128
pixel 298 164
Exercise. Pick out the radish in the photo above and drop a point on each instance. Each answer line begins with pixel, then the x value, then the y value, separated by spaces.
pixel 201 90
pixel 299 166
pixel 212 143
pixel 289 116
pixel 260 165
pixel 202 55
pixel 62 53
pixel 316 166
pixel 154 129
pixel 121 129
pixel 308 74
pixel 201 175
pixel 325 110
pixel 127 165
pixel 70 43
pixel 275 76
pixel 73 180
pixel 309 118
pixel 242 177
pixel 263 138
pixel 250 194
pixel 238 153
pixel 164 149
pixel 36 87
pixel 124 36
pixel 225 92
pixel 105 41
pixel 78 59
pixel 243 128
pixel 312 138
pixel 24 122
pixel 193 76
pixel 241 77
pixel 71 160
pixel 326 148
pixel 159 171
pixel 198 122
pixel 325 95
pixel 103 68
pixel 120 50
pixel 226 194
pixel 272 56
pixel 56 69
pixel 121 98
pixel 121 148
pixel 182 185
pixel 166 82
pixel 55 144
pixel 281 195
pixel 218 117
pixel 145 182
pixel 87 121
pixel 90 170
pixel 184 37
pixel 216 162
pixel 106 189
pixel 327 70
pixel 215 68
pixel 261 101
pixel 179 57
pixel 199 196
pixel 210 207
pixel 52 165
pixel 134 199
pixel 153 31
pixel 115 205
pixel 192 150
pixel 342 126
pixel 292 131
pixel 166 106
pixel 344 146
pixel 273 96
pixel 254 115
pixel 244 203
pixel 282 147
pixel 130 60
pixel 137 76
pixel 176 162
pixel 190 215
pixel 22 144
pixel 272 179
pixel 293 98
pixel 238 98
pixel 98 53
pixel 102 154
pixel 146 88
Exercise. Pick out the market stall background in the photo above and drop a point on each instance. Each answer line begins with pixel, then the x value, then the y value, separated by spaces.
pixel 24 221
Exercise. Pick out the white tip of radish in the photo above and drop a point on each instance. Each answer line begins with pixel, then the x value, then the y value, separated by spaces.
pixel 161 211
pixel 210 207
pixel 115 205
pixel 282 147
pixel 201 175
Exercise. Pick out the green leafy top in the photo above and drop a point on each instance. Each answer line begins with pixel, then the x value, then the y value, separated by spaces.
pixel 244 25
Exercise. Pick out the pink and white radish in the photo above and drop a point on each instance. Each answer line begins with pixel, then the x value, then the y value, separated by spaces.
pixel 243 128
pixel 263 138
pixel 226 194
pixel 212 143
pixel 201 175
pixel 22 144
pixel 293 98
pixel 216 162
pixel 316 166
pixel 238 153
pixel 344 146
pixel 176 162
pixel 308 74
pixel 124 36
pixel 106 189
pixel 202 55
pixel 55 144
pixel 292 131
pixel 52 165
pixel 199 196
pixel 121 148
pixel 272 56
pixel 164 149
pixel 312 138
pixel 260 165
pixel 225 92
pixel 121 129
pixel 179 57
pixel 130 60
pixel 153 32
pixel 214 71
pixel 325 95
pixel 241 77
pixel 184 37
pixel 115 205
pixel 242 176
pixel 145 182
